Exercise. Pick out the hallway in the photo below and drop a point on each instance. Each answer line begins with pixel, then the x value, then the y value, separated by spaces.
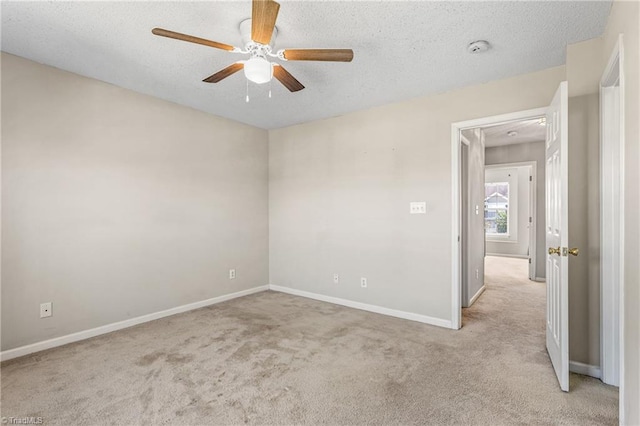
pixel 511 312
pixel 507 271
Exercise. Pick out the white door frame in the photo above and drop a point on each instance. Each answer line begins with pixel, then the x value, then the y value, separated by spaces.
pixel 456 129
pixel 533 169
pixel 464 240
pixel 612 221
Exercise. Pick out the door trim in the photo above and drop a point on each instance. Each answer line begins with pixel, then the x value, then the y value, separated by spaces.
pixel 533 206
pixel 463 246
pixel 456 129
pixel 612 290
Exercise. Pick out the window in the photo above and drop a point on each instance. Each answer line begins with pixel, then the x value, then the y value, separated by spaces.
pixel 496 208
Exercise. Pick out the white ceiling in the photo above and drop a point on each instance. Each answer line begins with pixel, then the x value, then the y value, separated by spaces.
pixel 527 131
pixel 402 49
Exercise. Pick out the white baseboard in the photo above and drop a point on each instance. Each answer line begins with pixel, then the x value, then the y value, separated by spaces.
pixel 86 334
pixel 365 307
pixel 478 293
pixel 584 369
pixel 515 256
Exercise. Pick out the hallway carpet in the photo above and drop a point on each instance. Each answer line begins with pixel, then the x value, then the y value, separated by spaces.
pixel 272 358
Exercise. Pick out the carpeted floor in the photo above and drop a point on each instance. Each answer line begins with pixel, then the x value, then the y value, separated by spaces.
pixel 272 358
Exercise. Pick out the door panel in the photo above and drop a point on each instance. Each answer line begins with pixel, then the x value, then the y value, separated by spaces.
pixel 557 235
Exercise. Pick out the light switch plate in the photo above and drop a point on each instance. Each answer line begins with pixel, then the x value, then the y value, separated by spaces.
pixel 418 207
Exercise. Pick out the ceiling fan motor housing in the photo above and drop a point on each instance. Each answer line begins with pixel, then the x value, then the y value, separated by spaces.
pixel 249 44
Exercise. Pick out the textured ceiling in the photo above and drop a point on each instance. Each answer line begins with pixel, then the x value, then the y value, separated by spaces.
pixel 402 49
pixel 527 131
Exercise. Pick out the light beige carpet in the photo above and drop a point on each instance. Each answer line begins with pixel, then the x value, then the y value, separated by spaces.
pixel 272 358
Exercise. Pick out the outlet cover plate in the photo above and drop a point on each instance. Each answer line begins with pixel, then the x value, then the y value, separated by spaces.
pixel 45 310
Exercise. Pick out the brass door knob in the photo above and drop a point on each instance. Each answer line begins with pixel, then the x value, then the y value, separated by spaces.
pixel 574 251
pixel 554 250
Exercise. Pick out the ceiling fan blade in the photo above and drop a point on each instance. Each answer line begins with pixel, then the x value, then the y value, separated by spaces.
pixel 192 39
pixel 263 19
pixel 336 55
pixel 286 79
pixel 224 73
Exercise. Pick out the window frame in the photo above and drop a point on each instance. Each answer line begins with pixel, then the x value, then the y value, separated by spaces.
pixel 507 209
pixel 496 173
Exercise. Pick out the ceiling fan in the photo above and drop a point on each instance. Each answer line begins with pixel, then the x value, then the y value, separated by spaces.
pixel 258 35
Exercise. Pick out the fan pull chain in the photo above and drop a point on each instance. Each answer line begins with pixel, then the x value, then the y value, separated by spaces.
pixel 247 91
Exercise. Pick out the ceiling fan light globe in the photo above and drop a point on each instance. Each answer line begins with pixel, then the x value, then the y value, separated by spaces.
pixel 258 70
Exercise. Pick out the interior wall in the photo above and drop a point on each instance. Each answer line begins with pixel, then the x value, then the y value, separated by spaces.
pixel 519 244
pixel 517 153
pixel 584 229
pixel 475 249
pixel 339 193
pixel 586 62
pixel 624 19
pixel 117 204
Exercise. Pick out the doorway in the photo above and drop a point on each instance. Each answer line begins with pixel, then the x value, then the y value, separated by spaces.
pixel 466 136
pixel 612 220
pixel 460 135
pixel 556 183
pixel 584 177
pixel 510 204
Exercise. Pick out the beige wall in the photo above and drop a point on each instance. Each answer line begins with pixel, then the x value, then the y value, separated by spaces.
pixel 339 193
pixel 517 153
pixel 625 19
pixel 585 65
pixel 116 204
pixel 584 229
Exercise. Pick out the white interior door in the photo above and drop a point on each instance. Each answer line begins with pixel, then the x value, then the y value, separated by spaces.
pixel 557 232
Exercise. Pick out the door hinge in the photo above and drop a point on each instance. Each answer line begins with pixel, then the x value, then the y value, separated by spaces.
pixel 530 219
pixel 529 261
pixel 530 178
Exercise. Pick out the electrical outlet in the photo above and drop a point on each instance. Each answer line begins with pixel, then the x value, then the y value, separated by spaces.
pixel 45 310
pixel 363 282
pixel 232 274
pixel 477 274
pixel 336 278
